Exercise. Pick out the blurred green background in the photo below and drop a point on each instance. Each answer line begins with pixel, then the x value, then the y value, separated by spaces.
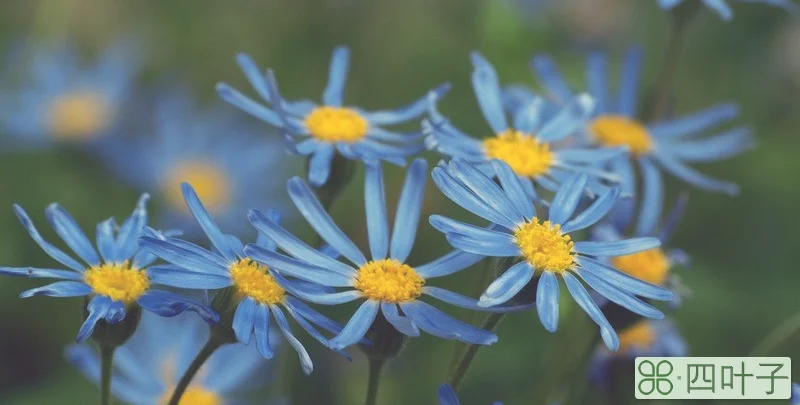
pixel 744 280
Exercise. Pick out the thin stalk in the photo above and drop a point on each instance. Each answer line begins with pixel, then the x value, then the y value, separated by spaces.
pixel 106 365
pixel 778 337
pixel 210 347
pixel 373 384
pixel 469 352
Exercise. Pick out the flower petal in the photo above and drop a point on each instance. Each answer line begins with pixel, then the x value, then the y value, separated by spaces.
pixel 507 285
pixel 616 248
pixel 409 206
pixel 357 326
pixel 547 300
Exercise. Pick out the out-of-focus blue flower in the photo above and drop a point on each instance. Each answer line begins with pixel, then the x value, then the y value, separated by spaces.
pixel 644 339
pixel 60 99
pixel 795 394
pixel 448 397
pixel 319 131
pixel 531 145
pixel 386 283
pixel 150 364
pixel 262 291
pixel 661 146
pixel 115 279
pixel 231 168
pixel 545 246
pixel 723 9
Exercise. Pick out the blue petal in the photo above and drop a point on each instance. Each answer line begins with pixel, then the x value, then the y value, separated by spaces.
pixel 169 304
pixel 484 187
pixel 357 326
pixel 590 155
pixel 248 105
pixel 490 248
pixel 464 197
pixel 127 243
pixel 469 303
pixel 408 112
pixel 597 80
pixel 70 232
pixel 529 115
pixel 629 85
pixel 691 176
pixel 297 268
pixel 175 276
pixel 567 198
pixel 408 208
pixel 337 77
pixel 448 226
pixel 450 263
pixel 311 330
pixel 254 75
pixel 694 123
pixel 310 207
pixel 728 144
pixel 487 90
pixel 547 300
pixel 585 301
pixel 305 359
pixel 447 396
pixel 59 289
pixel 624 281
pixel 616 248
pixel 319 166
pixel 513 187
pixel 618 296
pixel 571 119
pixel 261 330
pixel 439 324
pixel 595 212
pixel 317 297
pixel 34 272
pixel 721 7
pixel 184 254
pixel 550 78
pixel 401 323
pixel 51 250
pixel 652 198
pixel 507 285
pixel 313 316
pixel 375 204
pixel 98 309
pixel 105 241
pixel 674 216
pixel 244 320
pixel 210 228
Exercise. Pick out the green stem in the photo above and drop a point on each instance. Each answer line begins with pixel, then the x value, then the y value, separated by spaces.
pixel 470 351
pixel 375 373
pixel 106 365
pixel 778 337
pixel 210 347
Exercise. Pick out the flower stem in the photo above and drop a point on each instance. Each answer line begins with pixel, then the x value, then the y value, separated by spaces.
pixel 210 347
pixel 106 365
pixel 375 373
pixel 470 351
pixel 778 337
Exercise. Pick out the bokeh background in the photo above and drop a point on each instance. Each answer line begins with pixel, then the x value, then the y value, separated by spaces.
pixel 743 275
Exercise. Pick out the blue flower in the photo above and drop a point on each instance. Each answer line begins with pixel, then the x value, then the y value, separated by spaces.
pixel 62 100
pixel 262 290
pixel 319 131
pixel 722 7
pixel 795 394
pixel 643 339
pixel 230 167
pixel 114 280
pixel 150 364
pixel 532 146
pixel 545 246
pixel 386 283
pixel 448 397
pixel 661 146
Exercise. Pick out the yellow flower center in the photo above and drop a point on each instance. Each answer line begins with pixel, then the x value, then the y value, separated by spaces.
pixel 77 116
pixel 209 182
pixel 253 280
pixel 389 280
pixel 614 130
pixel 641 335
pixel 523 153
pixel 336 124
pixel 194 396
pixel 650 265
pixel 544 246
pixel 118 281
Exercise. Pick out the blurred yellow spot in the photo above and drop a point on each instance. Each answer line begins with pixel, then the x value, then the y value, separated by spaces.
pixel 77 116
pixel 650 265
pixel 389 280
pixel 544 246
pixel 336 124
pixel 523 153
pixel 641 335
pixel 209 182
pixel 253 280
pixel 615 131
pixel 195 396
pixel 118 281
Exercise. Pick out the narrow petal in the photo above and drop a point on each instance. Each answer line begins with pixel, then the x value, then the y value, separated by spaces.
pixel 629 84
pixel 105 241
pixel 247 105
pixel 597 80
pixel 408 112
pixel 569 120
pixel 59 289
pixel 487 91
pixel 463 301
pixel 409 206
pixel 695 123
pixel 514 189
pixel 507 285
pixel 547 72
pixel 585 301
pixel 594 213
pixel 438 323
pixel 590 155
pixel 450 263
pixel 169 304
pixel 464 197
pixel 652 198
pixel 447 396
pixel 98 309
pixel 205 221
pixel 693 177
pixel 34 272
pixel 254 75
pixel 357 326
pixel 305 359
pixel 401 323
pixel 728 144
pixel 625 281
pixel 337 77
pixel 618 296
pixel 616 248
pixel 244 320
pixel 319 166
pixel 491 248
pixel 529 115
pixel 567 198
pixel 547 300
pixel 70 232
pixel 447 226
pixel 175 276
pixel 484 187
pixel 127 243
pixel 186 255
pixel 297 268
pixel 375 204
pixel 51 250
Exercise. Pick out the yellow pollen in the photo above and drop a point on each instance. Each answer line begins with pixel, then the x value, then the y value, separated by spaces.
pixel 641 335
pixel 209 182
pixel 253 280
pixel 118 281
pixel 614 131
pixel 194 396
pixel 336 124
pixel 77 116
pixel 389 280
pixel 522 152
pixel 650 265
pixel 544 246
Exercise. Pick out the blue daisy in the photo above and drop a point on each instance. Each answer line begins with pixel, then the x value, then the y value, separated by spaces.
pixel 545 246
pixel 149 365
pixel 667 146
pixel 531 146
pixel 795 394
pixel 644 339
pixel 62 100
pixel 448 397
pixel 386 283
pixel 319 131
pixel 723 9
pixel 116 279
pixel 264 293
pixel 227 164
